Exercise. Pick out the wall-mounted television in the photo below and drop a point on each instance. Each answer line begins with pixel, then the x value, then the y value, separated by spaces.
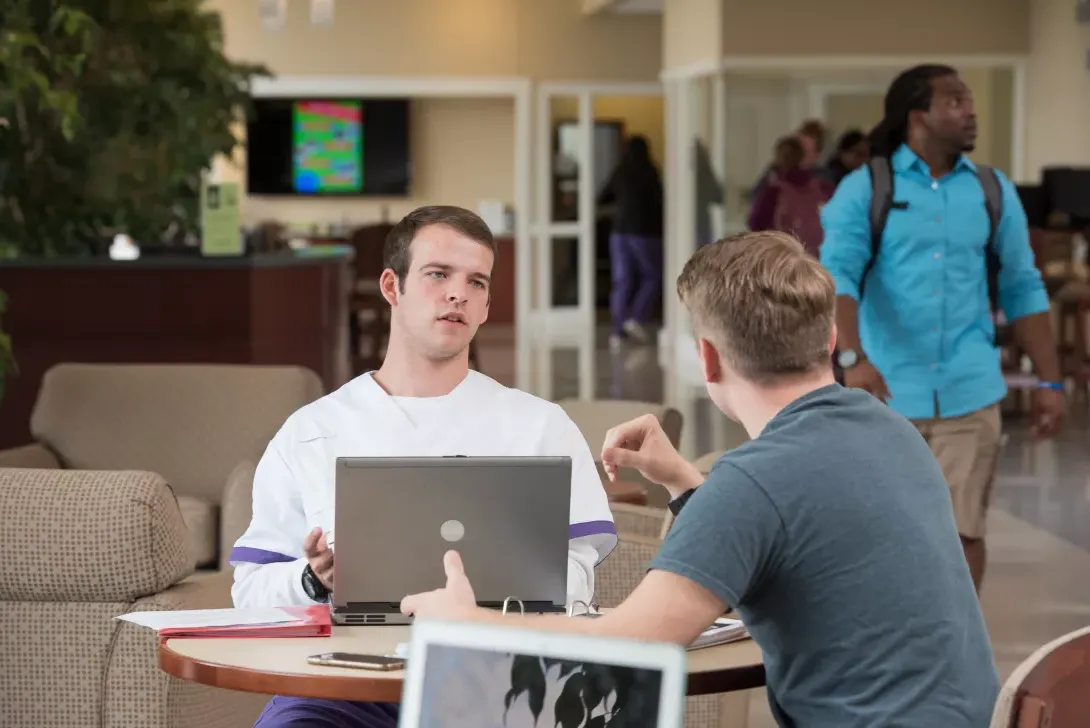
pixel 328 147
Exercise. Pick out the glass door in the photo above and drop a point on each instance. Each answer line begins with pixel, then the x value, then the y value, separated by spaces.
pixel 580 132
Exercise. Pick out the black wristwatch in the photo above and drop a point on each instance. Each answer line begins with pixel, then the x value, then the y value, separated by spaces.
pixel 313 586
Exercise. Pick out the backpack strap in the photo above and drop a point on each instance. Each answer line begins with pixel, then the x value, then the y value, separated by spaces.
pixel 881 201
pixel 993 202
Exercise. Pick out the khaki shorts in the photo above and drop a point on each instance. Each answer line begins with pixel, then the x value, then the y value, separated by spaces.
pixel 967 449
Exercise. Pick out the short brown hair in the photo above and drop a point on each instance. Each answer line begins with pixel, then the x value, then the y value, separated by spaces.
pixel 396 252
pixel 764 302
pixel 814 129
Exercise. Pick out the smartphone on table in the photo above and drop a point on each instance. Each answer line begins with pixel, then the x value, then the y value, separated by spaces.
pixel 361 662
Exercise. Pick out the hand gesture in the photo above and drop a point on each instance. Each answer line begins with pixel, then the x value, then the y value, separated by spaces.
pixel 641 444
pixel 1046 413
pixel 319 556
pixel 866 376
pixel 455 598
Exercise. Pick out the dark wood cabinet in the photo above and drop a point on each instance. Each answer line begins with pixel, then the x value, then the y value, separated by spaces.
pixel 277 308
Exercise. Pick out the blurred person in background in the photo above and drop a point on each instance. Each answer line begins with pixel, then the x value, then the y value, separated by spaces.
pixel 635 244
pixel 851 152
pixel 791 199
pixel 811 135
pixel 951 255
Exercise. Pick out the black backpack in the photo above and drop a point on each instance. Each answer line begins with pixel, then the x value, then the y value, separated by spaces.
pixel 881 184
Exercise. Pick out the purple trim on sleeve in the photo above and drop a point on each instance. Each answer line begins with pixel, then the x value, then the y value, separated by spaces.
pixel 246 554
pixel 591 528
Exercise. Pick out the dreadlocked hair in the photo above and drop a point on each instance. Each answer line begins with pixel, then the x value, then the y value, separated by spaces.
pixel 910 91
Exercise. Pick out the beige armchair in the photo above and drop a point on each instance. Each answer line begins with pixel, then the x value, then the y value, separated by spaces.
pixel 201 427
pixel 616 578
pixel 644 521
pixel 595 417
pixel 77 549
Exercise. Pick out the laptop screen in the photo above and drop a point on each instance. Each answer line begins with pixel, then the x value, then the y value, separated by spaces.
pixel 469 687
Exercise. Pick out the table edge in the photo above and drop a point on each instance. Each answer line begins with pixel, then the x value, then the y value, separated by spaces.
pixel 725 680
pixel 365 688
pixel 357 686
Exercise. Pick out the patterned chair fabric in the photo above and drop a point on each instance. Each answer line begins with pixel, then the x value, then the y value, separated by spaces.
pixel 640 520
pixel 705 462
pixel 594 418
pixel 85 548
pixel 192 424
pixel 616 578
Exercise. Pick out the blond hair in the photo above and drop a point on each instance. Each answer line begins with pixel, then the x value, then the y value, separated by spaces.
pixel 764 303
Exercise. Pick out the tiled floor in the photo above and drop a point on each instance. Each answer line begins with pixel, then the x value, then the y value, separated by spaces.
pixel 1038 581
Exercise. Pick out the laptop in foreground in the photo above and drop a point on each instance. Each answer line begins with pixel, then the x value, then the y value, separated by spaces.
pixel 461 675
pixel 394 519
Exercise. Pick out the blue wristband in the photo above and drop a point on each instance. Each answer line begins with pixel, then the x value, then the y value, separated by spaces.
pixel 1055 386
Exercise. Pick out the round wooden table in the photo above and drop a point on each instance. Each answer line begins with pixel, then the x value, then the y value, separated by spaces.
pixel 625 491
pixel 278 666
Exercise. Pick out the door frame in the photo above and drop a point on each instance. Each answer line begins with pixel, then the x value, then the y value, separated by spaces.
pixel 572 325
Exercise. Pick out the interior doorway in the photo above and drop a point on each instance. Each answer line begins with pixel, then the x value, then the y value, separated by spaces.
pixel 580 133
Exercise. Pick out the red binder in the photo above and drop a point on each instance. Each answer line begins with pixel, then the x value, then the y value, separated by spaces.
pixel 311 621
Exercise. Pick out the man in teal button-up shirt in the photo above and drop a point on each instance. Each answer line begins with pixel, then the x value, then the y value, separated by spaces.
pixel 922 336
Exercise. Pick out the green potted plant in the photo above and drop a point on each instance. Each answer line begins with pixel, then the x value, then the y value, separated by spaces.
pixel 109 115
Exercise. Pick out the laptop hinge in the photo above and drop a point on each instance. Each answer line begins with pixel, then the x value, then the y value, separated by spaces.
pixel 370 607
pixel 539 607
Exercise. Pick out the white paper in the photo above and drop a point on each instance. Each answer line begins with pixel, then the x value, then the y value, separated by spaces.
pixel 190 618
pixel 721 631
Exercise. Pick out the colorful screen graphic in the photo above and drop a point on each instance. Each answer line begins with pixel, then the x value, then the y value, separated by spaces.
pixel 328 142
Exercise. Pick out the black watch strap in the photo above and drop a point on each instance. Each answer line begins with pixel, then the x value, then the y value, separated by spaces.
pixel 678 503
pixel 313 586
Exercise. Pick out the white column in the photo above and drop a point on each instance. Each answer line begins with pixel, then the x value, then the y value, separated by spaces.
pixel 587 263
pixel 719 147
pixel 524 248
pixel 1018 124
pixel 680 241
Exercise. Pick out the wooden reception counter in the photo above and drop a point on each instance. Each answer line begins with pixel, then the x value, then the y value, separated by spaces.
pixel 275 308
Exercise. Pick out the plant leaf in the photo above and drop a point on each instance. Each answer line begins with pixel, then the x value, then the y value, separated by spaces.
pixel 569 708
pixel 527 676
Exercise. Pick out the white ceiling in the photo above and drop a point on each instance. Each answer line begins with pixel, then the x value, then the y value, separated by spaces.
pixel 637 6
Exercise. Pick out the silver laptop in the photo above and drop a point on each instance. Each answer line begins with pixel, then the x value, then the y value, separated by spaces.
pixel 395 518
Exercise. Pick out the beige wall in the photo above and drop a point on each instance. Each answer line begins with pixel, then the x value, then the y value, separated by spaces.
pixel 853 27
pixel 462 149
pixel 546 39
pixel 992 99
pixel 845 111
pixel 981 82
pixel 758 112
pixel 691 32
pixel 639 114
pixel 1057 89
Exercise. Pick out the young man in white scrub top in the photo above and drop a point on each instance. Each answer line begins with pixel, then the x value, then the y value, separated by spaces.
pixel 423 401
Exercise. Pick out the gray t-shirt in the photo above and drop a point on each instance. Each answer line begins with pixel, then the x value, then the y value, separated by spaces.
pixel 833 535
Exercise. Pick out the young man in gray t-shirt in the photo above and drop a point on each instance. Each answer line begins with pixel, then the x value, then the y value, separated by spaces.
pixel 831 531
